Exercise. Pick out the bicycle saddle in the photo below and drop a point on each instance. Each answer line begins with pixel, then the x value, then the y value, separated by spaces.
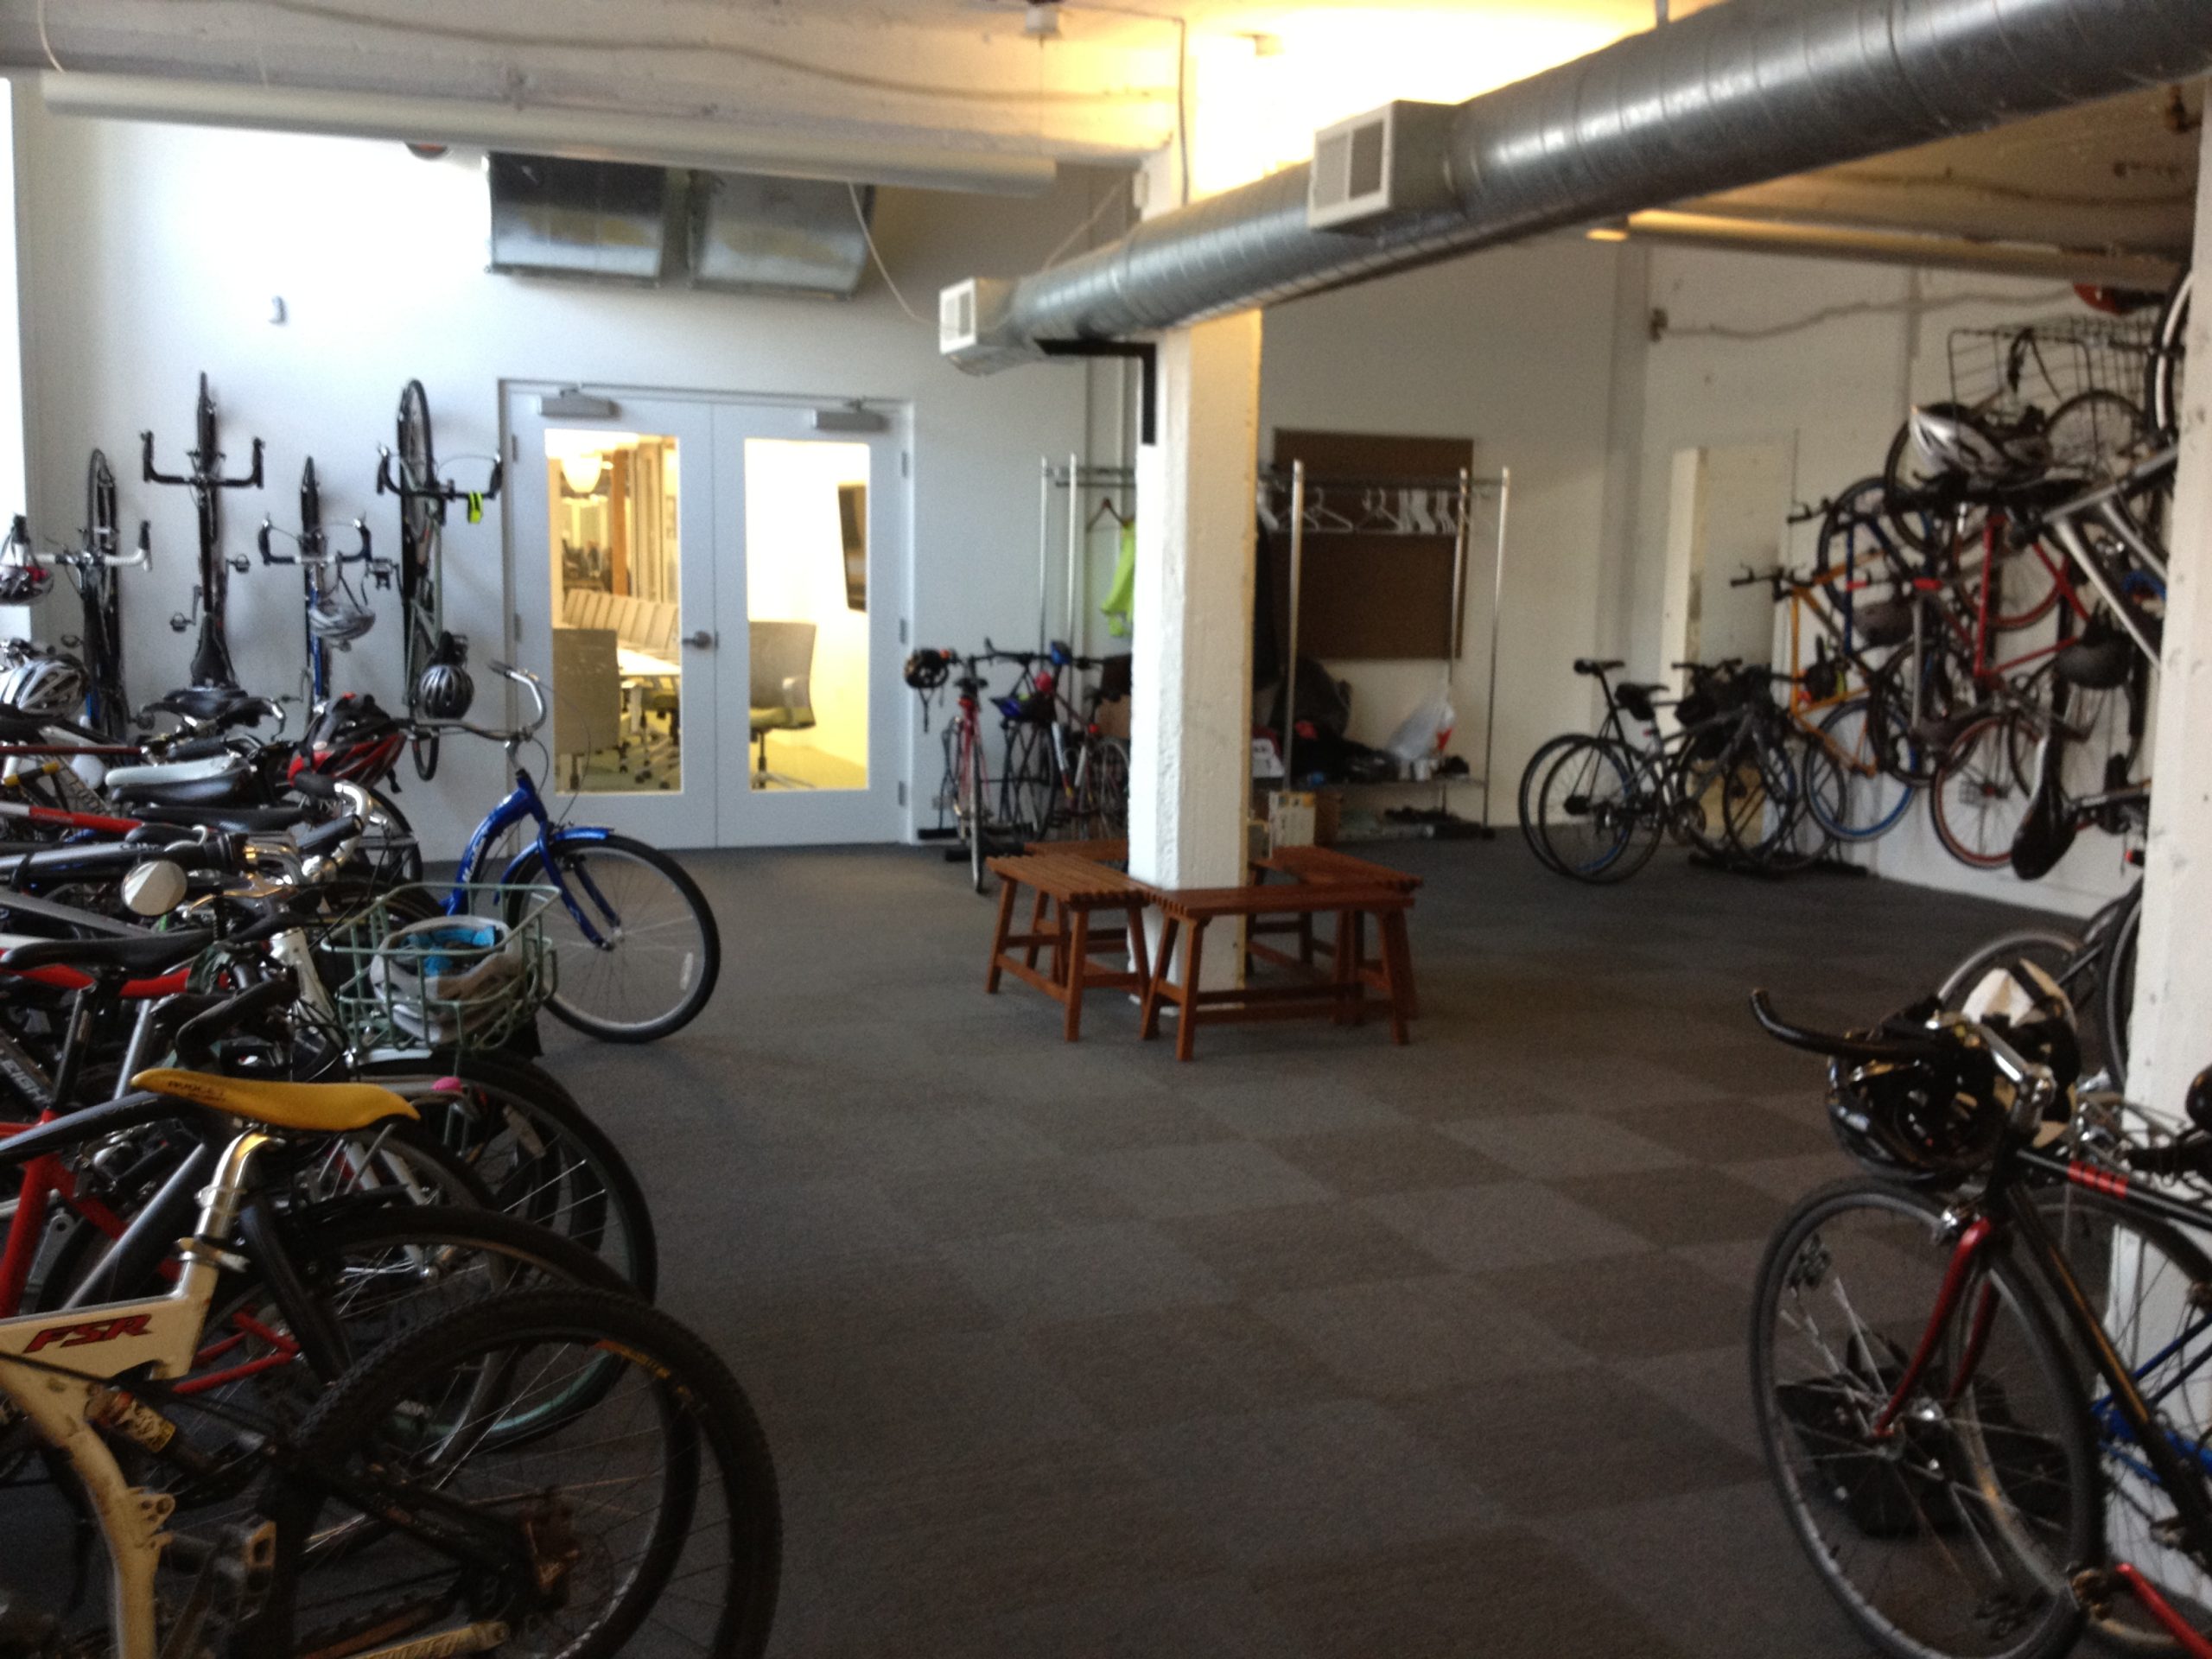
pixel 220 706
pixel 316 1108
pixel 214 780
pixel 243 820
pixel 133 954
pixel 1591 665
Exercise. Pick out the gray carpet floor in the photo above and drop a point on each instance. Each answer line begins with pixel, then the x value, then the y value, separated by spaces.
pixel 1314 1347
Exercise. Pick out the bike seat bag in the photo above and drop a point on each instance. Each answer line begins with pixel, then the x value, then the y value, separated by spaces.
pixel 1636 700
pixel 1883 622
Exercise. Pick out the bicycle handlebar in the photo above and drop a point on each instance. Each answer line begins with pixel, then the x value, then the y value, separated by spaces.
pixel 439 490
pixel 199 479
pixel 1899 1050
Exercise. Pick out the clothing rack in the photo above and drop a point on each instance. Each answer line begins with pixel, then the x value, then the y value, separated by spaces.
pixel 1428 507
pixel 1073 478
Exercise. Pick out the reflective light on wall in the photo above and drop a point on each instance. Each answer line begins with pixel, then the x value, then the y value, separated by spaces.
pixel 1257 96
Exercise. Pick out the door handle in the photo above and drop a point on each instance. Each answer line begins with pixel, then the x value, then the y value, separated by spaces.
pixel 702 640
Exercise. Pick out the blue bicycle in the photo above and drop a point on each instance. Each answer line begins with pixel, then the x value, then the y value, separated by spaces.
pixel 635 942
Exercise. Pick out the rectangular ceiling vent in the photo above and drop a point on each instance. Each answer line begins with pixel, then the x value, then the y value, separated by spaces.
pixel 603 222
pixel 972 328
pixel 1379 166
pixel 756 235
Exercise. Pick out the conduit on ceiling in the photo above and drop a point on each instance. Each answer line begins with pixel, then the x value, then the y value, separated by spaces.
pixel 1740 93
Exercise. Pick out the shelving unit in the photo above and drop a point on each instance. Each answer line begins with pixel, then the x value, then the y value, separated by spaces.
pixel 1077 481
pixel 1427 507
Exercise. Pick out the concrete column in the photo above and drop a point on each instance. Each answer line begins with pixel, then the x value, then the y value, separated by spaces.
pixel 1190 706
pixel 2172 1025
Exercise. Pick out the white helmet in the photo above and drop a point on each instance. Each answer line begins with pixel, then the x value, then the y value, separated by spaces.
pixel 338 617
pixel 51 685
pixel 1949 438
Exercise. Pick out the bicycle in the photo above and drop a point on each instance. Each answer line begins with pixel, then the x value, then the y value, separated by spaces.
pixel 335 614
pixel 1981 1444
pixel 433 663
pixel 92 567
pixel 424 1504
pixel 639 953
pixel 210 658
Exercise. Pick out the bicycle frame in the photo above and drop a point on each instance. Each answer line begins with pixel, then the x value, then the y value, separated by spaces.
pixel 523 803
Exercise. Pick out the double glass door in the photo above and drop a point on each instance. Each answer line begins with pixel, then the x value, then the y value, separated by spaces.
pixel 710 591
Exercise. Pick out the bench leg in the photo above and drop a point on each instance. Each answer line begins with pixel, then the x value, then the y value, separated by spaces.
pixel 1403 968
pixel 1351 948
pixel 1037 914
pixel 1395 957
pixel 1306 938
pixel 1077 928
pixel 1186 1024
pixel 998 938
pixel 1137 955
pixel 1157 985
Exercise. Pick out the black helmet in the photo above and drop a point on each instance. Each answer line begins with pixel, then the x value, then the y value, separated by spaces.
pixel 1927 1123
pixel 927 669
pixel 443 690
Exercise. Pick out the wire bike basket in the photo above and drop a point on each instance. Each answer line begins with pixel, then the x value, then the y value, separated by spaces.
pixel 404 979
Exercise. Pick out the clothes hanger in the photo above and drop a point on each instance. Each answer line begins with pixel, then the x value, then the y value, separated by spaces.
pixel 1106 509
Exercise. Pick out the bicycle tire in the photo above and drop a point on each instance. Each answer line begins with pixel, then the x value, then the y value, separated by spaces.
pixel 383 1416
pixel 1812 1402
pixel 696 964
pixel 1589 813
pixel 536 1152
pixel 2119 990
pixel 1106 789
pixel 1850 737
pixel 2162 371
pixel 1982 774
pixel 974 816
pixel 1762 805
pixel 1531 779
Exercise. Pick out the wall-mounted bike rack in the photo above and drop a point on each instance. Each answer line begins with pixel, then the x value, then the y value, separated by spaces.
pixel 334 613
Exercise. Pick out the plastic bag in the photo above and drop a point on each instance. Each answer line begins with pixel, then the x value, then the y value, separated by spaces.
pixel 1424 733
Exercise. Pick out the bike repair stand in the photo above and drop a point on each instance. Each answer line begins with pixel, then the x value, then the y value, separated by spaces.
pixel 319 568
pixel 210 658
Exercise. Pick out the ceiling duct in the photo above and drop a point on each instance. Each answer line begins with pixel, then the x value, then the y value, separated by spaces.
pixel 605 220
pixel 777 235
pixel 1741 92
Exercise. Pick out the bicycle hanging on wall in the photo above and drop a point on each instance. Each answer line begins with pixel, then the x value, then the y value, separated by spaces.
pixel 92 566
pixel 211 657
pixel 335 613
pixel 434 662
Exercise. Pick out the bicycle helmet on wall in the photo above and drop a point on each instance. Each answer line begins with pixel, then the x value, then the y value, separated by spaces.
pixel 337 617
pixel 443 690
pixel 926 669
pixel 53 685
pixel 1951 438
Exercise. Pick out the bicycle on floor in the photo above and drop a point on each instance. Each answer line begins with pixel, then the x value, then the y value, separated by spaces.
pixel 981 806
pixel 1978 1371
pixel 635 946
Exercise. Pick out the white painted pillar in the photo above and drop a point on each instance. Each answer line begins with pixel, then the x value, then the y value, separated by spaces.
pixel 2172 1025
pixel 1191 696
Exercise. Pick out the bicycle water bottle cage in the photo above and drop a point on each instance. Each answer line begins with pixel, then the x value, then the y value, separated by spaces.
pixel 1012 707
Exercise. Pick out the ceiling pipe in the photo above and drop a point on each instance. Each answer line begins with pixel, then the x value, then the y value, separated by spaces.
pixel 1739 93
pixel 546 130
pixel 1893 248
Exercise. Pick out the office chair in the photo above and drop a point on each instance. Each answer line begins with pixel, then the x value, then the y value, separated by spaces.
pixel 783 663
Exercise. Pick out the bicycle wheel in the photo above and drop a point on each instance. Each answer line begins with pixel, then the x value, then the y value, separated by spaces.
pixel 1954 1534
pixel 536 1153
pixel 1983 788
pixel 2120 989
pixel 1532 777
pixel 973 817
pixel 1762 805
pixel 1104 808
pixel 651 1517
pixel 1589 811
pixel 2163 373
pixel 650 961
pixel 1848 790
pixel 1030 785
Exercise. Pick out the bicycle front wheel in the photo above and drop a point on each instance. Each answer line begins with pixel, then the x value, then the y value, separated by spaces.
pixel 1951 1535
pixel 635 950
pixel 1983 790
pixel 1589 814
pixel 1849 791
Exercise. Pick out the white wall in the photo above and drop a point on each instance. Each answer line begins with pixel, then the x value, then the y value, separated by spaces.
pixel 1514 349
pixel 1836 354
pixel 150 254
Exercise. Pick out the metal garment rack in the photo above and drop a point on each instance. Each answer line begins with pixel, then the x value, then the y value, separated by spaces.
pixel 1073 477
pixel 1426 507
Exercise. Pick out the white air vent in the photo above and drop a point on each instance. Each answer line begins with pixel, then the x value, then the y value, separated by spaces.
pixel 1388 162
pixel 971 327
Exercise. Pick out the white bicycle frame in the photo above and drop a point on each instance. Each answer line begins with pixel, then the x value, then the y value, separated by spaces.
pixel 63 1396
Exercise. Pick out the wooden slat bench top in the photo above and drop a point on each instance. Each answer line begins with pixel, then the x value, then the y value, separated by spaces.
pixel 1070 879
pixel 1106 852
pixel 1327 864
pixel 1204 903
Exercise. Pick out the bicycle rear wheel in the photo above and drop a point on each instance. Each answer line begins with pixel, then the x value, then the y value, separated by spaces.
pixel 1589 813
pixel 649 960
pixel 2163 374
pixel 1983 790
pixel 1532 778
pixel 1955 1534
pixel 1850 793
pixel 649 1518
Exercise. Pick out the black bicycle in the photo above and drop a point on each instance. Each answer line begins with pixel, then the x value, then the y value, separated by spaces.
pixel 211 656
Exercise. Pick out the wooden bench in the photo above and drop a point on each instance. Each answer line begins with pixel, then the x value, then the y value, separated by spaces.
pixel 1342 995
pixel 1115 851
pixel 1325 866
pixel 1077 887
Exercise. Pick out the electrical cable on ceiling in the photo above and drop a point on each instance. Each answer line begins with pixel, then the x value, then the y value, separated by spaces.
pixel 1182 69
pixel 1073 237
pixel 868 236
pixel 47 44
pixel 1860 308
